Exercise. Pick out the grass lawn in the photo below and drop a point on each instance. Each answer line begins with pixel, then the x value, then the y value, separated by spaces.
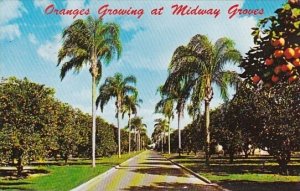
pixel 55 177
pixel 254 173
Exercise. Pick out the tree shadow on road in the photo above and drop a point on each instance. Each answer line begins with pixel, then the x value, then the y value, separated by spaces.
pixel 163 186
pixel 164 171
pixel 157 163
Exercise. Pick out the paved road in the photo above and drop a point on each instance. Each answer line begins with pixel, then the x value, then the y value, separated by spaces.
pixel 148 171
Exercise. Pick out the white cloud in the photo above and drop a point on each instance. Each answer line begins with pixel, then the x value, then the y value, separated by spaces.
pixel 32 38
pixel 49 50
pixel 71 4
pixel 10 32
pixel 42 4
pixel 10 10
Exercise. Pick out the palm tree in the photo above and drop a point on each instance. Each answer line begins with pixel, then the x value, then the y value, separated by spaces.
pixel 204 62
pixel 165 106
pixel 178 88
pixel 116 87
pixel 161 125
pixel 139 126
pixel 130 104
pixel 89 42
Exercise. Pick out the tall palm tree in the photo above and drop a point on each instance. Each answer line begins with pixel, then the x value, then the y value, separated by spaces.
pixel 139 126
pixel 204 62
pixel 130 104
pixel 178 88
pixel 161 125
pixel 89 42
pixel 165 106
pixel 116 87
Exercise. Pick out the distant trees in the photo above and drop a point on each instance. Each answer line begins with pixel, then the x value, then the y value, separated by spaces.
pixel 117 87
pixel 35 125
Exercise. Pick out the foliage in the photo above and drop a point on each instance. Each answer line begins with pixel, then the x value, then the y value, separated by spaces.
pixel 89 42
pixel 267 119
pixel 275 33
pixel 35 126
pixel 193 70
pixel 118 87
pixel 28 121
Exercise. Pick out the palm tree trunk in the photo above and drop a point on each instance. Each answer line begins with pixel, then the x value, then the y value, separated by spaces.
pixel 139 137
pixel 119 130
pixel 129 141
pixel 179 134
pixel 162 143
pixel 207 144
pixel 169 141
pixel 94 121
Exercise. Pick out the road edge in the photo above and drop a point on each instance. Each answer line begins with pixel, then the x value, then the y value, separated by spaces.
pixel 202 178
pixel 103 175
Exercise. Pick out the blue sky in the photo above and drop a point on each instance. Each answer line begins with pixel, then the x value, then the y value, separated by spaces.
pixel 30 40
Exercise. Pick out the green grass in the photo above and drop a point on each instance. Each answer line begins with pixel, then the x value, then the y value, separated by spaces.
pixel 254 173
pixel 63 177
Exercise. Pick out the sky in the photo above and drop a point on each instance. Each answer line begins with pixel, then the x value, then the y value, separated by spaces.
pixel 30 40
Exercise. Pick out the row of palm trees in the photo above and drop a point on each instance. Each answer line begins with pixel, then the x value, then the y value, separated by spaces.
pixel 94 43
pixel 193 71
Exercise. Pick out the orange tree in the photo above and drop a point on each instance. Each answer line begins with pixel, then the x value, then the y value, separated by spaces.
pixel 277 113
pixel 28 121
pixel 276 54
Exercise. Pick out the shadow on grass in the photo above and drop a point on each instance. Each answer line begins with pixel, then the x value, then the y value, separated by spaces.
pixel 12 173
pixel 240 169
pixel 163 186
pixel 13 185
pixel 14 188
pixel 259 186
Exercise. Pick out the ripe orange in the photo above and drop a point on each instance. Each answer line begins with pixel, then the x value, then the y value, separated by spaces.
pixel 277 70
pixel 275 78
pixel 287 67
pixel 278 53
pixel 297 52
pixel 281 42
pixel 274 42
pixel 255 79
pixel 296 62
pixel 289 53
pixel 269 61
pixel 293 78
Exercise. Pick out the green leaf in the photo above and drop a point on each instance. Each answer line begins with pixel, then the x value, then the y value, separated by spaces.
pixel 295 12
pixel 287 7
pixel 297 24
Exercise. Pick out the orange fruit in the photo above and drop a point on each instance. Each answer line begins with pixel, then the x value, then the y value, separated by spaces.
pixel 281 42
pixel 269 61
pixel 278 53
pixel 287 67
pixel 293 78
pixel 275 78
pixel 296 62
pixel 277 70
pixel 255 79
pixel 289 53
pixel 297 52
pixel 274 42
